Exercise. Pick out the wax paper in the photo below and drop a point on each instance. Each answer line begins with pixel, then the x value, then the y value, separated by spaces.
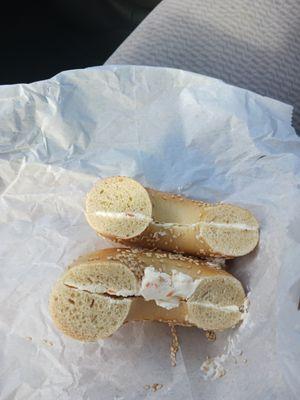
pixel 171 130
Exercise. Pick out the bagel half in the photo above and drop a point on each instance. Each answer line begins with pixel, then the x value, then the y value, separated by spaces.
pixel 103 290
pixel 123 211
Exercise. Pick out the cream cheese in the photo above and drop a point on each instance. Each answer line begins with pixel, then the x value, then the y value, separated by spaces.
pixel 173 224
pixel 122 215
pixel 88 287
pixel 99 289
pixel 142 217
pixel 125 293
pixel 223 225
pixel 167 290
pixel 232 308
pixel 242 227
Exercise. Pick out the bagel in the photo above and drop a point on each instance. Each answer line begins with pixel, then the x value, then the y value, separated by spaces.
pixel 103 290
pixel 122 210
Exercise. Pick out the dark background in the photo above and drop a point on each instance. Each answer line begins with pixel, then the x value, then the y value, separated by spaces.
pixel 40 39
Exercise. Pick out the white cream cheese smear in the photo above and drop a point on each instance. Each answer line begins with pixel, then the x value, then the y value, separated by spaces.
pixel 231 308
pixel 166 225
pixel 231 225
pixel 122 215
pixel 167 290
pixel 223 225
pixel 242 227
pixel 97 288
pixel 89 287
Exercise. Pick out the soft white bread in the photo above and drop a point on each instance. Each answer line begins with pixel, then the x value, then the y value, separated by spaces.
pixel 122 210
pixel 103 290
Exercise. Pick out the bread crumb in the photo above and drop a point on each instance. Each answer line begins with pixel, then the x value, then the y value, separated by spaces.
pixel 212 368
pixel 48 342
pixel 211 336
pixel 174 344
pixel 154 387
pixel 29 338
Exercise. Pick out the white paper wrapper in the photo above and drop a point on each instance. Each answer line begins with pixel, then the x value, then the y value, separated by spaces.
pixel 174 131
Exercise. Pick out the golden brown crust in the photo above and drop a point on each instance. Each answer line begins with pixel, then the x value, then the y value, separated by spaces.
pixel 176 239
pixel 138 259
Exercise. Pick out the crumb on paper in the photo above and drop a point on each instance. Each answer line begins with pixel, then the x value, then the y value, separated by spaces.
pixel 29 338
pixel 174 344
pixel 233 349
pixel 245 307
pixel 48 342
pixel 213 368
pixel 211 335
pixel 236 352
pixel 154 387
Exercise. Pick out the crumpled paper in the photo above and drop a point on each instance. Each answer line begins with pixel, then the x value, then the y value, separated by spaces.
pixel 174 131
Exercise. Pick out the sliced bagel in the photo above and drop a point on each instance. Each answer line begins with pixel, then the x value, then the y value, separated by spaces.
pixel 119 207
pixel 85 315
pixel 103 290
pixel 121 210
pixel 217 303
